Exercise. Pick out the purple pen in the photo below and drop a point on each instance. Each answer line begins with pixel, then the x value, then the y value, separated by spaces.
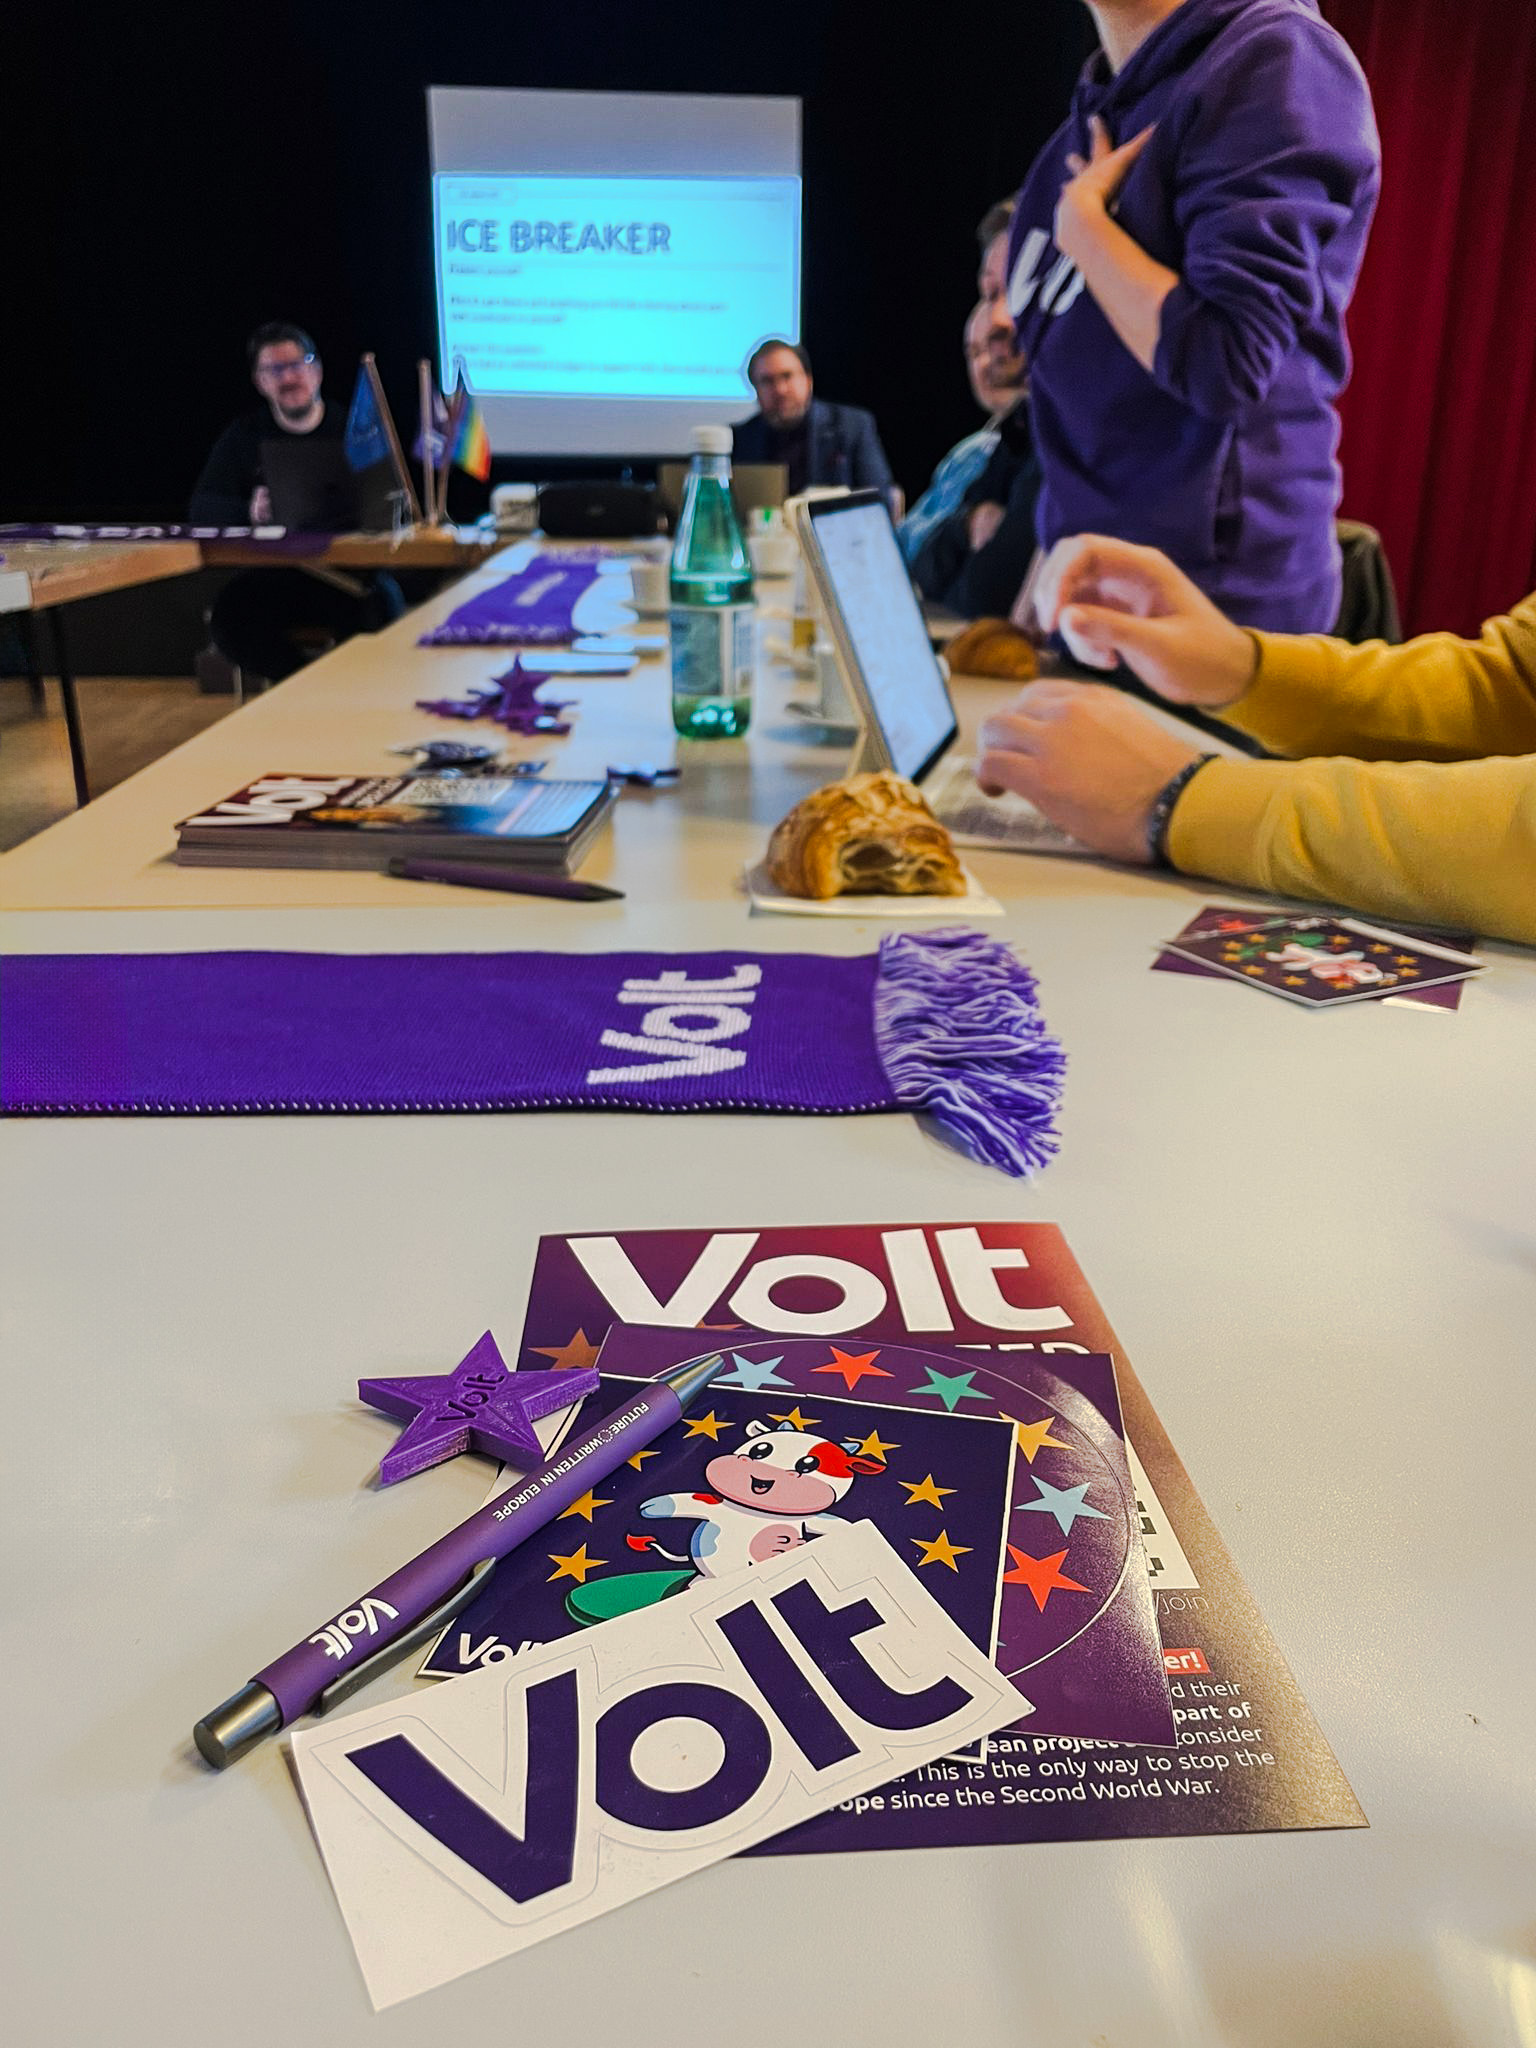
pixel 484 875
pixel 409 1606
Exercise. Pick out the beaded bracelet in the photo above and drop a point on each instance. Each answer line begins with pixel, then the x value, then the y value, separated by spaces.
pixel 1160 817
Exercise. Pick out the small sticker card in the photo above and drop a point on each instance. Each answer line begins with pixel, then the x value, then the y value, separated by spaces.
pixel 1227 918
pixel 470 1821
pixel 1323 961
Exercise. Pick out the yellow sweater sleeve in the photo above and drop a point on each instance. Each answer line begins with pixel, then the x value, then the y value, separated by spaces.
pixel 1409 827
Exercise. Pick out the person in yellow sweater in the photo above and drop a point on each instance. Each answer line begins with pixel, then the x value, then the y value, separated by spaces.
pixel 1410 790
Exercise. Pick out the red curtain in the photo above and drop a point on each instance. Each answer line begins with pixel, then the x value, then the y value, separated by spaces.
pixel 1439 445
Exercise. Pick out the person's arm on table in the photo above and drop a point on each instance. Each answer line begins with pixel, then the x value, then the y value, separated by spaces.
pixel 1454 843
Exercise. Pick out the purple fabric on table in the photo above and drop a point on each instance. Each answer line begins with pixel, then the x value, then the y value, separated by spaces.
pixel 534 608
pixel 945 1023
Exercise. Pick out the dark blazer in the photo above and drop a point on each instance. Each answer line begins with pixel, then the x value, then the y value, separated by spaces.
pixel 844 446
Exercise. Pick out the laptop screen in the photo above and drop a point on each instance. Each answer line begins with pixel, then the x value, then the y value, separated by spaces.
pixel 884 630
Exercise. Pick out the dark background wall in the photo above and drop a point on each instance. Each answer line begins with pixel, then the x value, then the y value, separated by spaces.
pixel 192 172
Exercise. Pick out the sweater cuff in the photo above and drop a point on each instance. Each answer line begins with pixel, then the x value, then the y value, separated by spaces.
pixel 1217 827
pixel 1294 671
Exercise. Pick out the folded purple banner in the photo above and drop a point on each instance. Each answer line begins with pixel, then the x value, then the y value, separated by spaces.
pixel 279 540
pixel 534 608
pixel 940 1022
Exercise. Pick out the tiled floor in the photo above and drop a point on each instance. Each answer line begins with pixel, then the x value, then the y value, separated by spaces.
pixel 128 722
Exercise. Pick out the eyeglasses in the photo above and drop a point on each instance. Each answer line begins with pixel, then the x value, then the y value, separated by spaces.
pixel 270 372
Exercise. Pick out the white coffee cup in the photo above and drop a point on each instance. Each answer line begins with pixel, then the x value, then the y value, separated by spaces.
pixel 651 583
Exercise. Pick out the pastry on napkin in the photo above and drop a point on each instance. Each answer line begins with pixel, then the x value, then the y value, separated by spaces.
pixel 869 835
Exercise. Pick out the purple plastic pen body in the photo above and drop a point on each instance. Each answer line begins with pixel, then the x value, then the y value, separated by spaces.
pixel 485 875
pixel 292 1683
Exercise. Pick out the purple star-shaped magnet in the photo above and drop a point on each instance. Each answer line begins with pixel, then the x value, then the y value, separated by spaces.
pixel 480 1406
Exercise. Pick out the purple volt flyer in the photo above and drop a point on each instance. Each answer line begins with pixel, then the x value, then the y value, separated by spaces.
pixel 1003 1300
pixel 751 1472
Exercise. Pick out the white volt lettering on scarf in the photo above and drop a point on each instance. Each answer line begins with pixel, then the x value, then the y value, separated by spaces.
pixel 685 1026
pixel 1057 287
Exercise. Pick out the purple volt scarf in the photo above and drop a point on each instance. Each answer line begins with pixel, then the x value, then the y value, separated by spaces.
pixel 945 1023
pixel 534 608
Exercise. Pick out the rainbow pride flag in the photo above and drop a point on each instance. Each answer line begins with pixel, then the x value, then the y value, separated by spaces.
pixel 469 445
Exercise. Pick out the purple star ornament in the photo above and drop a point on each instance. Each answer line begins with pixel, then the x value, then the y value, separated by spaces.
pixel 479 1406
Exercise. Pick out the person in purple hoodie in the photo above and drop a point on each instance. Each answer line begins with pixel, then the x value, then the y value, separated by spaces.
pixel 1182 253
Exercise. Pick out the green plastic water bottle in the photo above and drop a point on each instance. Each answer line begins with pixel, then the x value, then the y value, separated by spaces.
pixel 714 647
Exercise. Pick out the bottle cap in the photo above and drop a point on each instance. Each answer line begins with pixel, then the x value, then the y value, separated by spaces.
pixel 712 440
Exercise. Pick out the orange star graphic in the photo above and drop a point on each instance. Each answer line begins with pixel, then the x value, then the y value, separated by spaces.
pixel 1408 974
pixel 1042 1575
pixel 1295 981
pixel 584 1507
pixel 796 1420
pixel 939 1550
pixel 576 1566
pixel 1034 1436
pixel 1379 948
pixel 1253 970
pixel 575 1355
pixel 853 1369
pixel 924 1490
pixel 709 1425
pixel 1403 959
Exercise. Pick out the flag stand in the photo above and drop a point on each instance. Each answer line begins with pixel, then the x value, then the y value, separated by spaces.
pixel 428 475
pixel 396 452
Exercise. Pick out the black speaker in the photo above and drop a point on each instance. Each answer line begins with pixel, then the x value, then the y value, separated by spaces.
pixel 599 511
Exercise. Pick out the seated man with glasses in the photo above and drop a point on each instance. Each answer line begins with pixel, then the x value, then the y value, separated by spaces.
pixel 267 621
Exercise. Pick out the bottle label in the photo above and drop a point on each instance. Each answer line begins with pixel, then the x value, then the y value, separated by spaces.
pixel 714 650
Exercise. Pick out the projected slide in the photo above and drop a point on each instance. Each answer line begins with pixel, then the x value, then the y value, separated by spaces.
pixel 606 261
pixel 615 287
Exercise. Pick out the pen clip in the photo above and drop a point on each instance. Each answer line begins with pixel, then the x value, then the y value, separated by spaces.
pixel 361 1674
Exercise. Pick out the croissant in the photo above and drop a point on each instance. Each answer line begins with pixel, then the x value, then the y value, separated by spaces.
pixel 993 647
pixel 869 835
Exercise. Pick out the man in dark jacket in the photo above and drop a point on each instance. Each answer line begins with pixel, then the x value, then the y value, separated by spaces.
pixel 818 442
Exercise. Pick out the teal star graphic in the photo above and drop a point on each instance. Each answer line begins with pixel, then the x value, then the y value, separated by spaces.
pixel 753 1373
pixel 951 1388
pixel 1066 1503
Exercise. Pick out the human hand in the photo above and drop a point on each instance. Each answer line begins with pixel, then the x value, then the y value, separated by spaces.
pixel 982 523
pixel 1112 602
pixel 261 506
pixel 1087 195
pixel 1088 757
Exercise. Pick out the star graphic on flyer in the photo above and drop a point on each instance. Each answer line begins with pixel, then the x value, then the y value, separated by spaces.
pixel 1066 1503
pixel 939 1550
pixel 854 1367
pixel 875 1446
pixel 709 1425
pixel 576 1566
pixel 950 1388
pixel 796 1420
pixel 574 1355
pixel 1036 1436
pixel 924 1490
pixel 753 1374
pixel 639 1459
pixel 586 1507
pixel 1042 1575
pixel 480 1406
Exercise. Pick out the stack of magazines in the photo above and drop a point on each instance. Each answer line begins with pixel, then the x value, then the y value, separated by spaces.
pixel 366 821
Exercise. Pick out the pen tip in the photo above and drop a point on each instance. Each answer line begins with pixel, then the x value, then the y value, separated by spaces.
pixel 689 1380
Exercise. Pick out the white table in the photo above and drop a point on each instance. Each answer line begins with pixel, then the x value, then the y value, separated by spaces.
pixel 1314 1234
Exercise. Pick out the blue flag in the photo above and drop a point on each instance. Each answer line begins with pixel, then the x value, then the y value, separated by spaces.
pixel 364 440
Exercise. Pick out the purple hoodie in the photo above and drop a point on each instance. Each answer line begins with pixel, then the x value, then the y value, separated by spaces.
pixel 1258 189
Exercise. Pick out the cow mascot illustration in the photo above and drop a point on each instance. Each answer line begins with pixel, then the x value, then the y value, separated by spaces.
pixel 775 1491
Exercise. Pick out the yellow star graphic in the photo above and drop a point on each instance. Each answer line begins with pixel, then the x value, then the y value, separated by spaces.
pixel 924 1490
pixel 584 1506
pixel 575 1355
pixel 1403 959
pixel 709 1425
pixel 1253 970
pixel 796 1420
pixel 576 1566
pixel 939 1550
pixel 1034 1436
pixel 639 1458
pixel 1295 981
pixel 875 1446
pixel 1381 949
pixel 1408 974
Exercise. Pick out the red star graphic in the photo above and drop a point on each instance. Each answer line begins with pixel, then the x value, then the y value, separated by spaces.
pixel 575 1355
pixel 854 1369
pixel 1042 1575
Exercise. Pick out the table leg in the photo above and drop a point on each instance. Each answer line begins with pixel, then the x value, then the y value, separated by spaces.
pixel 71 705
pixel 35 681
